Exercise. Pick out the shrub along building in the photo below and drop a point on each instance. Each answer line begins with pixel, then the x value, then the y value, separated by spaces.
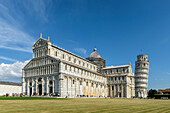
pixel 53 70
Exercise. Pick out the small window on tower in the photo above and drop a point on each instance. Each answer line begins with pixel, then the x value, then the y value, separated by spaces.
pixel 63 56
pixel 56 53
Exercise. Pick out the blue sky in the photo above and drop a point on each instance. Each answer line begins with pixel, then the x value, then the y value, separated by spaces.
pixel 118 28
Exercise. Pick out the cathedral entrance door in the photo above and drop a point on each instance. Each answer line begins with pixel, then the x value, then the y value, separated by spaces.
pixel 30 91
pixel 51 90
pixel 40 89
pixel 119 95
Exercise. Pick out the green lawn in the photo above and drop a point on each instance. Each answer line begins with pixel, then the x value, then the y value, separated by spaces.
pixel 80 105
pixel 28 98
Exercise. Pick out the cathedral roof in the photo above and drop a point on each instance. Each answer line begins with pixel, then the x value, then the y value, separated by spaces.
pixel 95 54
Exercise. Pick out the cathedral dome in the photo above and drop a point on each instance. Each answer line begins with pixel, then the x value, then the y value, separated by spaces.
pixel 95 54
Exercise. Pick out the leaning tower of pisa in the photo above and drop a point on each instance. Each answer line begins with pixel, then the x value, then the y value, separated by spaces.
pixel 141 75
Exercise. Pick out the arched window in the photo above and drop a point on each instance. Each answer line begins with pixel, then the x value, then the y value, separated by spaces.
pixel 50 82
pixel 112 87
pixel 45 52
pixel 65 67
pixel 123 70
pixel 39 80
pixel 74 60
pixel 30 83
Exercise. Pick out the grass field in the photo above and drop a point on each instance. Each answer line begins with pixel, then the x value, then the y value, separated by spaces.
pixel 47 105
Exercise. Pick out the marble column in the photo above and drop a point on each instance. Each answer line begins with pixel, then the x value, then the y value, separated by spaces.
pixel 47 83
pixel 75 86
pixel 42 85
pixel 122 92
pixel 114 90
pixel 118 90
pixel 32 86
pixel 28 88
pixel 53 84
pixel 36 85
pixel 110 90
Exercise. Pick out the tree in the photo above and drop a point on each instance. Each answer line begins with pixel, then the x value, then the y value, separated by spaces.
pixel 152 92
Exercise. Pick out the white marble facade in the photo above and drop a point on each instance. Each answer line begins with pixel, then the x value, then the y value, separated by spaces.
pixel 55 71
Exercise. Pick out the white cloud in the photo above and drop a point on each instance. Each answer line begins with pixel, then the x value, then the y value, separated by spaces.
pixel 14 39
pixel 73 42
pixel 81 51
pixel 168 73
pixel 12 18
pixel 17 49
pixel 39 7
pixel 12 72
pixel 9 59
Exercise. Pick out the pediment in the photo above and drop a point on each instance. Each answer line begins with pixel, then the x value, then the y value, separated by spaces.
pixel 40 42
pixel 28 65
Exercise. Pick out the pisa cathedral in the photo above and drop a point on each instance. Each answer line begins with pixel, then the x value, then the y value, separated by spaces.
pixel 58 72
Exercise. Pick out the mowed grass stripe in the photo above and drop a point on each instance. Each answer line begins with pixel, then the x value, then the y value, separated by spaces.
pixel 85 105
